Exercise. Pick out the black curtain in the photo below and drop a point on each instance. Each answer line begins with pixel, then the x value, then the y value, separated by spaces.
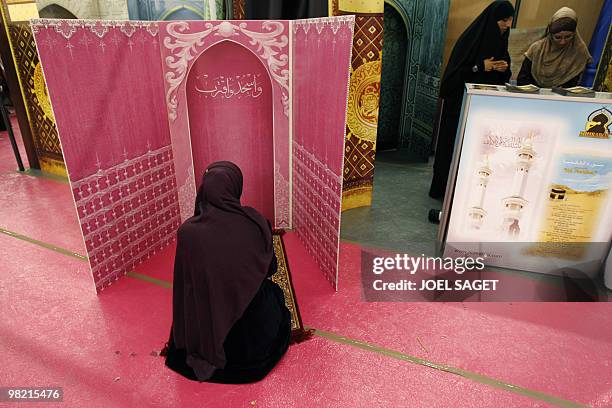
pixel 285 9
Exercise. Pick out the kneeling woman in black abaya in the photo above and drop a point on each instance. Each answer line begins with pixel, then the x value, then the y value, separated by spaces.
pixel 479 56
pixel 229 322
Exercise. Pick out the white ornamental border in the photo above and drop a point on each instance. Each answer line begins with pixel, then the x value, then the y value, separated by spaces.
pixel 184 48
pixel 67 28
pixel 320 23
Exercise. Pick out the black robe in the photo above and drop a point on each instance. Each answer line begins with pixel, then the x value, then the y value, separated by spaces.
pixel 480 41
pixel 255 343
pixel 229 321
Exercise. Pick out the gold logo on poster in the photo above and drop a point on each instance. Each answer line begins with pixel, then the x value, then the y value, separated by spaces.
pixel 598 125
pixel 364 99
pixel 40 90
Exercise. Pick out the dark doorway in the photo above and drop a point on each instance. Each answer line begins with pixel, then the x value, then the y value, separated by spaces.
pixel 55 11
pixel 392 80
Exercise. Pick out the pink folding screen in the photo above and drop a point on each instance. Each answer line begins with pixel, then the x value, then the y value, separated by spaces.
pixel 143 107
pixel 187 43
pixel 320 89
pixel 110 112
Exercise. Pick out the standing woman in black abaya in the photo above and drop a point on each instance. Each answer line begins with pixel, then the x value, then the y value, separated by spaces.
pixel 479 56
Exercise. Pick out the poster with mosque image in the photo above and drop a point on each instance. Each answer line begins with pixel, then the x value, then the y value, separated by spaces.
pixel 505 175
pixel 572 212
pixel 578 192
pixel 532 189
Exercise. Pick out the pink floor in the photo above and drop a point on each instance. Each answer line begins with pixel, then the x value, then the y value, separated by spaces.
pixel 7 158
pixel 56 331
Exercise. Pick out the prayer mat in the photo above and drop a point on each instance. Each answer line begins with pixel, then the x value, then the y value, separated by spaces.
pixel 282 278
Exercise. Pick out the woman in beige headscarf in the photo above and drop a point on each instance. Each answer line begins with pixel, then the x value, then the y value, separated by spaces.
pixel 559 58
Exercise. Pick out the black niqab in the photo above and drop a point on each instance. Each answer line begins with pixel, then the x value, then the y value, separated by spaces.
pixel 222 257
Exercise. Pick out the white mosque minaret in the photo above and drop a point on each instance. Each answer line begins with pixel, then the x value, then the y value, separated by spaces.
pixel 515 203
pixel 477 212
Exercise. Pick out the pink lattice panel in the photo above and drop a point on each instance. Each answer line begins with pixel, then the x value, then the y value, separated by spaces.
pixel 316 211
pixel 128 213
pixel 322 50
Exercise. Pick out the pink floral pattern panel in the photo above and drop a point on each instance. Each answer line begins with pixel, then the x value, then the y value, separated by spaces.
pixel 183 42
pixel 105 83
pixel 322 55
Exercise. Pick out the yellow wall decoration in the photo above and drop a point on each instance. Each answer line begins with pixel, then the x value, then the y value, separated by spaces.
pixel 41 121
pixel 40 90
pixel 364 97
pixel 23 12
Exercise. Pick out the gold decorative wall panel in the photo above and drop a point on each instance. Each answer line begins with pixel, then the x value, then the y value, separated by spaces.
pixel 364 97
pixel 41 118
